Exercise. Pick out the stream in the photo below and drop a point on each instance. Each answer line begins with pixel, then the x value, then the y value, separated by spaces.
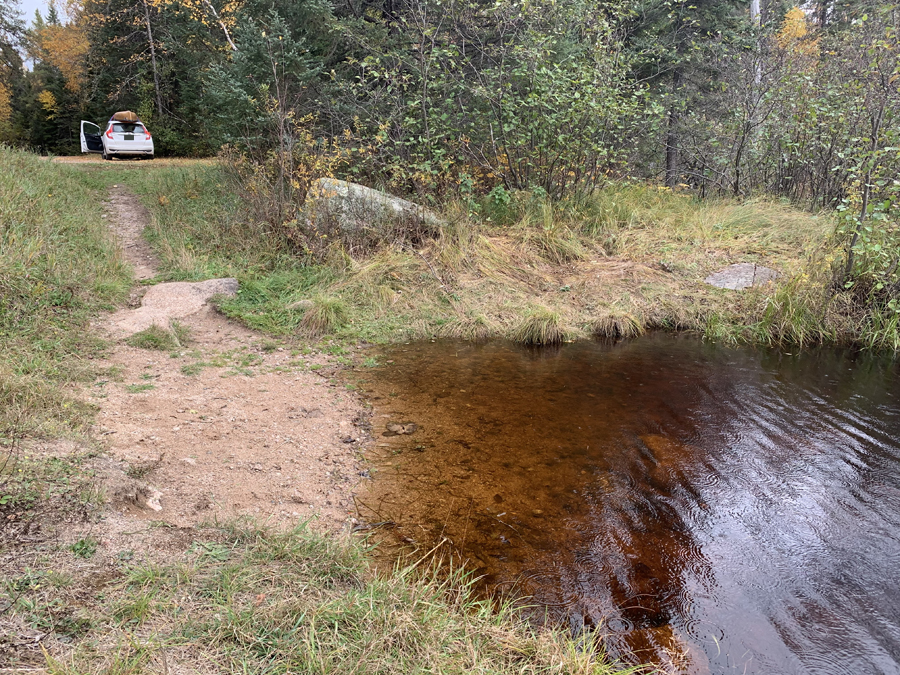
pixel 704 508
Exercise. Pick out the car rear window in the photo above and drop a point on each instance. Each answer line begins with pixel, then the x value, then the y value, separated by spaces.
pixel 127 128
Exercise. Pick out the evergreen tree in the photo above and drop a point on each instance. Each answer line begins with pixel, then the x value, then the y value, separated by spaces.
pixel 671 42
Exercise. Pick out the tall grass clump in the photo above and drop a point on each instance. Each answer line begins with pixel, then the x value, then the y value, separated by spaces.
pixel 324 316
pixel 542 228
pixel 58 268
pixel 616 326
pixel 540 326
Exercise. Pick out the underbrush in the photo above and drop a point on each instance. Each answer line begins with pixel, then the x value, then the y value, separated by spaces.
pixel 244 599
pixel 58 268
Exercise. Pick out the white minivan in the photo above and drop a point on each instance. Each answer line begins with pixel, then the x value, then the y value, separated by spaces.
pixel 120 139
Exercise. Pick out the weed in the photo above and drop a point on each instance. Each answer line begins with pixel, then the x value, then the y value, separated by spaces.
pixel 181 333
pixel 138 388
pixel 269 346
pixel 139 470
pixel 135 609
pixel 193 368
pixel 158 338
pixel 85 548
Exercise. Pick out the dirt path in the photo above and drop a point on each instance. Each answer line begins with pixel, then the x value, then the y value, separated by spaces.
pixel 230 424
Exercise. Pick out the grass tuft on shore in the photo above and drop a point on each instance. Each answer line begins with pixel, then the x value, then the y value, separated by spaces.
pixel 616 326
pixel 540 326
pixel 323 316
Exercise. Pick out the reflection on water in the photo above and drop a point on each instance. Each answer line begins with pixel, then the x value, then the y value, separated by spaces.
pixel 719 510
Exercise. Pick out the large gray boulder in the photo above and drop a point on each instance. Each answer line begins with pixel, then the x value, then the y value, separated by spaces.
pixel 356 206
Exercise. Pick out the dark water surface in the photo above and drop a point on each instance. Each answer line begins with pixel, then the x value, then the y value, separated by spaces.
pixel 722 510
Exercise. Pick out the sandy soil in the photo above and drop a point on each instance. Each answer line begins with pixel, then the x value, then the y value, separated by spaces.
pixel 229 425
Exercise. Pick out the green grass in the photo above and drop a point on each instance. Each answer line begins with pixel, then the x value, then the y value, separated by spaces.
pixel 254 600
pixel 540 326
pixel 156 337
pixel 138 388
pixel 58 269
pixel 323 316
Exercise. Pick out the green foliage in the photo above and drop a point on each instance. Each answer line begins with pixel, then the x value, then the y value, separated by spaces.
pixel 85 548
pixel 538 98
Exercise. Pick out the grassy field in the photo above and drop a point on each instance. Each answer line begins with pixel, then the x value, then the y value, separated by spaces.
pixel 628 258
pixel 58 268
pixel 240 599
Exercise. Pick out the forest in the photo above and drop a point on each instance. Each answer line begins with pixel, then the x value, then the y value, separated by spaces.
pixel 493 105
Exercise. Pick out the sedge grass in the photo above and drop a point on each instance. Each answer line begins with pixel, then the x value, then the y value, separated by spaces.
pixel 324 316
pixel 540 326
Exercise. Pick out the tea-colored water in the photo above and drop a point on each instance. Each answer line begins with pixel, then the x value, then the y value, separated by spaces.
pixel 712 509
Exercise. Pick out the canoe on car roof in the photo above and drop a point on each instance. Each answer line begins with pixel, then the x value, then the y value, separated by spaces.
pixel 124 116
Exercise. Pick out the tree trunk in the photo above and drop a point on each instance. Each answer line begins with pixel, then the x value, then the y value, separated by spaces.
pixel 755 13
pixel 672 135
pixel 867 190
pixel 159 105
pixel 221 25
pixel 822 13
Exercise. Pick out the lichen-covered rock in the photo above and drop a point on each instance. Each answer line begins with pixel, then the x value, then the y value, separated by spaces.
pixel 740 276
pixel 356 205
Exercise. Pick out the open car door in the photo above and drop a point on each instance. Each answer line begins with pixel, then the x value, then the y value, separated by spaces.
pixel 90 137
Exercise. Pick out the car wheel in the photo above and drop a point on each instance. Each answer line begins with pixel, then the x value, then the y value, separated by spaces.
pixel 103 155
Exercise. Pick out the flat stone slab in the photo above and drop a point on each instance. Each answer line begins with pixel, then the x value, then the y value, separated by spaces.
pixel 164 303
pixel 740 276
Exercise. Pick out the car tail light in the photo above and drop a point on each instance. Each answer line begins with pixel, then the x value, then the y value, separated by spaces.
pixel 147 131
pixel 109 133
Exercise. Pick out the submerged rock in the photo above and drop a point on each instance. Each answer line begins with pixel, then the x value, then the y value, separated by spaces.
pixel 402 429
pixel 740 276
